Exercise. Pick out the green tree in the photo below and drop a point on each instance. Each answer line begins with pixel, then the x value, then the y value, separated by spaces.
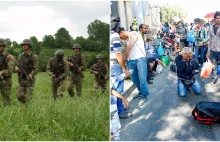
pixel 98 31
pixel 8 42
pixel 63 39
pixel 14 44
pixel 49 41
pixel 36 45
pixel 169 13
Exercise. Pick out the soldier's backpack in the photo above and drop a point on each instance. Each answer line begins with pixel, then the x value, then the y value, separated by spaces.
pixel 207 112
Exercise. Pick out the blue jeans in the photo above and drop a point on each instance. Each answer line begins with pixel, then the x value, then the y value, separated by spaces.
pixel 200 50
pixel 182 89
pixel 139 75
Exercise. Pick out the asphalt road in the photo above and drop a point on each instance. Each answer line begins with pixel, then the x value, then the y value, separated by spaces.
pixel 167 116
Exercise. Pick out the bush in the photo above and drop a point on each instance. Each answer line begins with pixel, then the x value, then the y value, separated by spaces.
pixel 43 58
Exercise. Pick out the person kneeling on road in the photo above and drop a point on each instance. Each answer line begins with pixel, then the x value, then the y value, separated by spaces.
pixel 187 67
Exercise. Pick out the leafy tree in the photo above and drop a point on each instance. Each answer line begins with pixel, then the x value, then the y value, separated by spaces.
pixel 98 31
pixel 14 44
pixel 8 42
pixel 44 56
pixel 36 45
pixel 49 41
pixel 168 13
pixel 62 38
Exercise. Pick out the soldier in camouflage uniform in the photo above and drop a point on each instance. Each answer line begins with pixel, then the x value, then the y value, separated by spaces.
pixel 29 62
pixel 77 64
pixel 6 69
pixel 100 69
pixel 58 69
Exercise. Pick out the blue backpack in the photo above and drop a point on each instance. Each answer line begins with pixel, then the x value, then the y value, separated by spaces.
pixel 190 37
pixel 160 50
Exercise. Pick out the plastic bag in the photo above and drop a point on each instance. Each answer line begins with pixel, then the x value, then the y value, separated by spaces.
pixel 190 37
pixel 160 50
pixel 207 69
pixel 166 60
pixel 159 68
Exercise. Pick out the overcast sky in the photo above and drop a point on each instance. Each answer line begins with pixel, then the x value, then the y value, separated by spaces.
pixel 193 8
pixel 20 20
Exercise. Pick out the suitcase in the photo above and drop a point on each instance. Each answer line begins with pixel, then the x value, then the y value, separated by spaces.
pixel 207 112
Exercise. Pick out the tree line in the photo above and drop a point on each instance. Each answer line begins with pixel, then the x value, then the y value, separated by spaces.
pixel 98 42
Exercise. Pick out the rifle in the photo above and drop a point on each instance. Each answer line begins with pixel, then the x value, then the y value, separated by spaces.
pixel 75 65
pixel 23 71
pixel 2 79
pixel 54 76
pixel 100 73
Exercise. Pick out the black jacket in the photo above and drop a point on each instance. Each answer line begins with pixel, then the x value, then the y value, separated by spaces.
pixel 184 71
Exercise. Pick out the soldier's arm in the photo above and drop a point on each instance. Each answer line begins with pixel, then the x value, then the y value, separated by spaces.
pixel 35 66
pixel 91 71
pixel 66 71
pixel 10 66
pixel 83 60
pixel 48 69
pixel 107 71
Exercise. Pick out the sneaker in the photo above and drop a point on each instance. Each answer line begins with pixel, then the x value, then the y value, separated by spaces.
pixel 137 96
pixel 143 101
pixel 153 75
pixel 215 80
pixel 151 78
pixel 125 115
pixel 149 82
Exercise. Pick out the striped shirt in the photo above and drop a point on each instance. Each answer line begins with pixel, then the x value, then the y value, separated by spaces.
pixel 115 46
pixel 202 35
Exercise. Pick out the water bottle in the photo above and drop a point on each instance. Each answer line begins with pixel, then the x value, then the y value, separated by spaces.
pixel 123 76
pixel 115 130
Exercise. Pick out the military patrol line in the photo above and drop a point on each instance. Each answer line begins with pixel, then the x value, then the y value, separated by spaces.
pixel 58 68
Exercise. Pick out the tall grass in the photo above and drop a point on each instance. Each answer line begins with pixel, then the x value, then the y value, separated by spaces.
pixel 86 118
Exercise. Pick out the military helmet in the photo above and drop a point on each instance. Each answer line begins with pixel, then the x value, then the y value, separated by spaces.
pixel 115 22
pixel 2 42
pixel 77 46
pixel 99 56
pixel 59 53
pixel 28 42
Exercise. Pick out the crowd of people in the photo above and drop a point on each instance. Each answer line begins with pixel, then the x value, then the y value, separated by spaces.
pixel 186 46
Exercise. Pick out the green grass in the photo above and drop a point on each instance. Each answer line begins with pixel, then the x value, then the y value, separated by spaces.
pixel 86 118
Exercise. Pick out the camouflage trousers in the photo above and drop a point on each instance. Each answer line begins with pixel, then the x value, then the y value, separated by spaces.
pixel 58 88
pixel 25 90
pixel 76 80
pixel 99 84
pixel 6 90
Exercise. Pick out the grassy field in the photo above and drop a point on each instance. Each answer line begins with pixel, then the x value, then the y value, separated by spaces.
pixel 86 118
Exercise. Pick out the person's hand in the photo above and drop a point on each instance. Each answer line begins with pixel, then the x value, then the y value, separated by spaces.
pixel 127 73
pixel 126 104
pixel 29 77
pixel 71 64
pixel 208 55
pixel 185 56
pixel 106 77
pixel 200 43
pixel 95 72
pixel 190 56
pixel 17 69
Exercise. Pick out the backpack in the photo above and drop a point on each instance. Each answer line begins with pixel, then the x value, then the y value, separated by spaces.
pixel 190 37
pixel 150 52
pixel 207 112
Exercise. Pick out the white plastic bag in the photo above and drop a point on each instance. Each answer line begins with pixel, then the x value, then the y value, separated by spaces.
pixel 159 68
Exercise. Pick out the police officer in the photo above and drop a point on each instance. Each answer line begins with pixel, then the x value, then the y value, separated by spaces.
pixel 26 75
pixel 77 65
pixel 58 69
pixel 100 69
pixel 6 69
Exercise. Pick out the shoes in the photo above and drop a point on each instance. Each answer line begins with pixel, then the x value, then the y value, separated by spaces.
pixel 153 75
pixel 215 80
pixel 143 101
pixel 151 78
pixel 149 82
pixel 125 115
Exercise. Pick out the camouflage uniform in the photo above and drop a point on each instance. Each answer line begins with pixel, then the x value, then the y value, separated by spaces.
pixel 30 63
pixel 6 69
pixel 76 78
pixel 60 70
pixel 100 81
